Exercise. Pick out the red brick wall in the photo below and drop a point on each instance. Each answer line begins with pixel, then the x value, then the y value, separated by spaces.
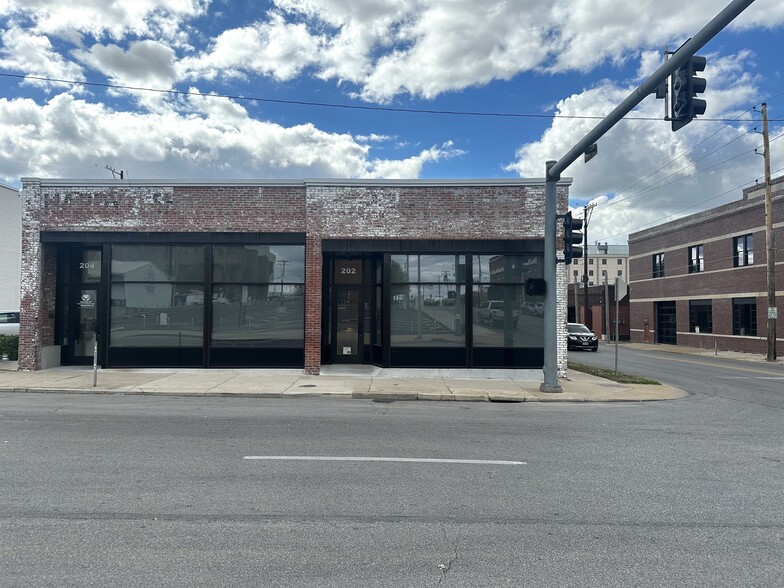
pixel 720 281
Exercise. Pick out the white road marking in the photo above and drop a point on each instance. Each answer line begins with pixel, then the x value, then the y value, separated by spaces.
pixel 388 459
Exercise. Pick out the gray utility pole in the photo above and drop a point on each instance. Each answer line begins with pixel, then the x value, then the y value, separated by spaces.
pixel 769 244
pixel 587 210
pixel 553 171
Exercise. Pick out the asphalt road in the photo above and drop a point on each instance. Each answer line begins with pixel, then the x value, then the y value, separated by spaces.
pixel 721 377
pixel 152 491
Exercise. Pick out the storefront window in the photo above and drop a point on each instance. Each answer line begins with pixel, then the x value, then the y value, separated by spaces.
pixel 258 316
pixel 259 263
pixel 157 263
pixel 157 296
pixel 148 314
pixel 428 301
pixel 258 296
pixel 503 314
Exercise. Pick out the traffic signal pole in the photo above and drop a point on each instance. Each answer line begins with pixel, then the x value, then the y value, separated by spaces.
pixel 553 171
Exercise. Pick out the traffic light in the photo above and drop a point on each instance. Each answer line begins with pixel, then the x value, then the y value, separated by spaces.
pixel 572 237
pixel 685 87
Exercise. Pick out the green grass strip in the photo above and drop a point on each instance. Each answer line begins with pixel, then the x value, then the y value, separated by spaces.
pixel 610 374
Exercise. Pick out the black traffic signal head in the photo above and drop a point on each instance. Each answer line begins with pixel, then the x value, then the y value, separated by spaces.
pixel 572 237
pixel 685 87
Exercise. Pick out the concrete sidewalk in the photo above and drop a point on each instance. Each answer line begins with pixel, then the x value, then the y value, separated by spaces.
pixel 366 382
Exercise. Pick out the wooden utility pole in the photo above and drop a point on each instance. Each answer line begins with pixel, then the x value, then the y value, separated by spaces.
pixel 771 252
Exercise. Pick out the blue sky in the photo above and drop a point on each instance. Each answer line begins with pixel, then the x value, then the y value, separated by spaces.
pixel 554 62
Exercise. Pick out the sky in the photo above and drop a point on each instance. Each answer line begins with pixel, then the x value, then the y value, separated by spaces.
pixel 225 89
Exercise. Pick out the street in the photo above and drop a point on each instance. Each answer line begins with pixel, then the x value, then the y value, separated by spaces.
pixel 143 491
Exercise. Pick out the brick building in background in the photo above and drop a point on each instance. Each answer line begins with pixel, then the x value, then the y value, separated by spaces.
pixel 422 273
pixel 701 281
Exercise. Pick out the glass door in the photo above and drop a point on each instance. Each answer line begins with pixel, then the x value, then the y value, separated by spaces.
pixel 85 334
pixel 348 325
pixel 84 306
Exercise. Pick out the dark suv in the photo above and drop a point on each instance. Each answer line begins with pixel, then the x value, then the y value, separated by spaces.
pixel 580 337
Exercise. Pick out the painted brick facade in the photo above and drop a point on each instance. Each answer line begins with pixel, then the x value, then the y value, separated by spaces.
pixel 402 210
pixel 719 281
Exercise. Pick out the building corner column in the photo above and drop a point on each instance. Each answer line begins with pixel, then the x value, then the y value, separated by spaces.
pixel 30 288
pixel 313 304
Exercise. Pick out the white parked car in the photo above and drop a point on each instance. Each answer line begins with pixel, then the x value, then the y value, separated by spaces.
pixel 9 322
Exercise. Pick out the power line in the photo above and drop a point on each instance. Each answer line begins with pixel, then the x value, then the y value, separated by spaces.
pixel 335 105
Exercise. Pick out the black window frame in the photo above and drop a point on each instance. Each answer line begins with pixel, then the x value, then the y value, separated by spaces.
pixel 658 265
pixel 696 259
pixel 743 256
pixel 742 309
pixel 701 316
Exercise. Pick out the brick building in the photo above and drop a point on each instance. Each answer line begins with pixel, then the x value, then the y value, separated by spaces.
pixel 283 273
pixel 701 281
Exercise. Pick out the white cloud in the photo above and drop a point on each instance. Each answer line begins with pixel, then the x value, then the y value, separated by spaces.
pixel 625 170
pixel 115 18
pixel 213 138
pixel 411 167
pixel 33 55
pixel 145 63
pixel 274 48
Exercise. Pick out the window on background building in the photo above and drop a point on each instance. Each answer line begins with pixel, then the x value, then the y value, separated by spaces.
pixel 700 316
pixel 743 250
pixel 157 296
pixel 620 261
pixel 744 316
pixel 428 299
pixel 590 261
pixel 658 265
pixel 575 261
pixel 576 273
pixel 258 296
pixel 590 272
pixel 620 273
pixel 696 259
pixel 604 261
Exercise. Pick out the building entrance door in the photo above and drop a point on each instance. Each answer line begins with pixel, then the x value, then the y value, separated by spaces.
pixel 83 307
pixel 666 331
pixel 348 324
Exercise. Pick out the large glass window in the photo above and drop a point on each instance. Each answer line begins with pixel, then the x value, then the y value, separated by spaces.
pixel 153 301
pixel 744 316
pixel 428 301
pixel 503 314
pixel 258 296
pixel 700 316
pixel 258 315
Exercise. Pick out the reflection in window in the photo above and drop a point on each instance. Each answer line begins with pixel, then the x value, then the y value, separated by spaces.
pixel 420 317
pixel 258 296
pixel 157 263
pixel 428 268
pixel 743 250
pixel 503 314
pixel 259 263
pixel 156 315
pixel 258 316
